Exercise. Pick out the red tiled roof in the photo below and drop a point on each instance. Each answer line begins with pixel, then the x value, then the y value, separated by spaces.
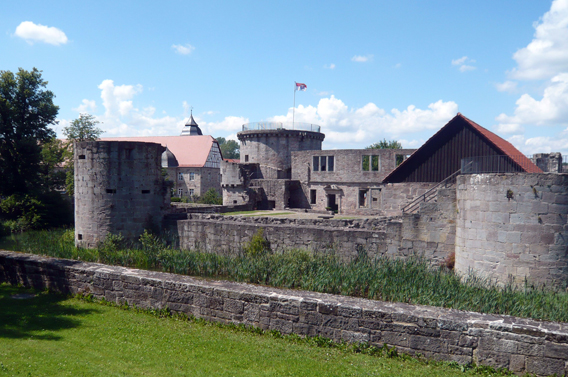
pixel 507 148
pixel 234 160
pixel 190 151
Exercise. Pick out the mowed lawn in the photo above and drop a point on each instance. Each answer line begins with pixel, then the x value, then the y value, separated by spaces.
pixel 52 335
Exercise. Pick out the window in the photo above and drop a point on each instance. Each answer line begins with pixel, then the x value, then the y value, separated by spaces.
pixel 375 163
pixel 180 176
pixel 313 196
pixel 363 198
pixel 365 163
pixel 191 192
pixel 323 163
pixel 192 176
pixel 246 158
pixel 400 158
pixel 180 192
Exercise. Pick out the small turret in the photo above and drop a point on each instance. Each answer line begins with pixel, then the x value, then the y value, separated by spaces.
pixel 191 128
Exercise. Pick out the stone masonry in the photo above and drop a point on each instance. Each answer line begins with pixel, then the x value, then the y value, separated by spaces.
pixel 521 345
pixel 513 226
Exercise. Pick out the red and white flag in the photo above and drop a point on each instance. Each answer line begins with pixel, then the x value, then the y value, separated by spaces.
pixel 302 87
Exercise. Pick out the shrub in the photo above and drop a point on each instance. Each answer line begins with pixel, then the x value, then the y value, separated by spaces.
pixel 175 199
pixel 258 245
pixel 211 197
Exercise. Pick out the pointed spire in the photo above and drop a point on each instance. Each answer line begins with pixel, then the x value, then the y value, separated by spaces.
pixel 191 127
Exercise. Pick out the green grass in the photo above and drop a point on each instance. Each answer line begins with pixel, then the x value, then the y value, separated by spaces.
pixel 413 281
pixel 52 335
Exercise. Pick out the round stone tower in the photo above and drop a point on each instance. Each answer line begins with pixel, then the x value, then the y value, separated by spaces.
pixel 513 226
pixel 271 144
pixel 118 189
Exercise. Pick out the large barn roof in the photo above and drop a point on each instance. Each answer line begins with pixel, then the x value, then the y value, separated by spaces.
pixel 189 151
pixel 441 155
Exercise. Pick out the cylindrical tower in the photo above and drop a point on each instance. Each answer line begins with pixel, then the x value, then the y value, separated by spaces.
pixel 271 146
pixel 118 189
pixel 513 226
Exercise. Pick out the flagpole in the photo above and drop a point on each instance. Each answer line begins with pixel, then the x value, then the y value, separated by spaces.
pixel 294 108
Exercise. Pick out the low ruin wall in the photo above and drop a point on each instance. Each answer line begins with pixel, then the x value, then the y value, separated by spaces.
pixel 522 345
pixel 430 233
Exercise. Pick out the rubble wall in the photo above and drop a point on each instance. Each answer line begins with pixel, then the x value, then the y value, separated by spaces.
pixel 521 345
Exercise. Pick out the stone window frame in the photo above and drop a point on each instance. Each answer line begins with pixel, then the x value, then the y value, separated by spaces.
pixel 180 176
pixel 191 192
pixel 313 196
pixel 180 192
pixel 191 176
pixel 325 167
pixel 371 162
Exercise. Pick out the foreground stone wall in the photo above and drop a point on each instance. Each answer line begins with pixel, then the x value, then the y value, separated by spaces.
pixel 513 226
pixel 522 345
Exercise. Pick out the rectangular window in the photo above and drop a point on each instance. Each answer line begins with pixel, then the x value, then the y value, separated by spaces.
pixel 363 198
pixel 365 163
pixel 246 158
pixel 180 176
pixel 375 163
pixel 313 196
pixel 399 158
pixel 191 192
pixel 330 163
pixel 323 164
pixel 316 163
pixel 180 192
pixel 192 176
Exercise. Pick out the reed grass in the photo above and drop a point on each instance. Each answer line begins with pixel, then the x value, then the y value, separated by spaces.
pixel 412 281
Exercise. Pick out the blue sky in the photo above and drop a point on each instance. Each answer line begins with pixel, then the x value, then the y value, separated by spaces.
pixel 374 69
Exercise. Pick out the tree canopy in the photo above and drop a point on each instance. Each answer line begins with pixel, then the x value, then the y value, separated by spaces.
pixel 384 144
pixel 26 113
pixel 83 128
pixel 229 148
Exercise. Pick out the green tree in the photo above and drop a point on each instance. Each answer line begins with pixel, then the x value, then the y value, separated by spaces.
pixel 26 114
pixel 229 148
pixel 83 128
pixel 384 144
pixel 211 196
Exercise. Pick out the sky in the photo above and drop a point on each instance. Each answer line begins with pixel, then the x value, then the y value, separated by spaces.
pixel 374 70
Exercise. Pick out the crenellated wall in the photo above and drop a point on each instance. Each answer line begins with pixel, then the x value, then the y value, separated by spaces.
pixel 521 345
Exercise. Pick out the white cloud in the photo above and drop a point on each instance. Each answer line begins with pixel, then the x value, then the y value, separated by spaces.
pixel 541 144
pixel 87 106
pixel 362 58
pixel 551 110
pixel 507 86
pixel 461 63
pixel 547 54
pixel 330 66
pixel 31 33
pixel 343 126
pixel 398 65
pixel 229 124
pixel 509 128
pixel 183 49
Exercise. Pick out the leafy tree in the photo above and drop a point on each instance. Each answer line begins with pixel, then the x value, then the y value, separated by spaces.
pixel 83 128
pixel 211 196
pixel 26 113
pixel 53 155
pixel 229 148
pixel 384 144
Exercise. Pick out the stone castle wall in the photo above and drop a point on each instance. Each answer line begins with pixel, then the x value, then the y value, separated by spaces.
pixel 118 189
pixel 521 345
pixel 513 225
pixel 430 234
